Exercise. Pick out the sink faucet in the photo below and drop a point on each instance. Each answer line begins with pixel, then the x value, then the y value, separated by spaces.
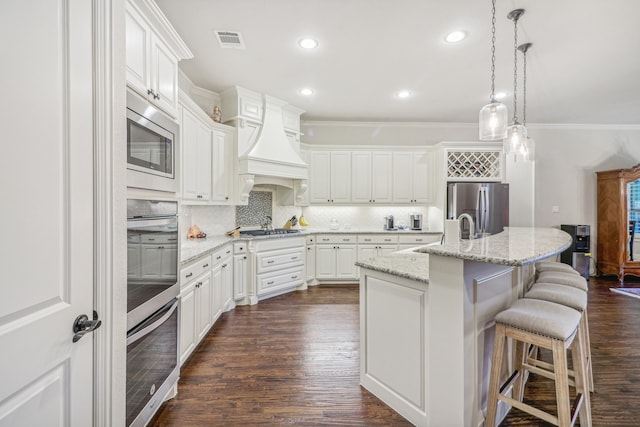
pixel 268 224
pixel 472 226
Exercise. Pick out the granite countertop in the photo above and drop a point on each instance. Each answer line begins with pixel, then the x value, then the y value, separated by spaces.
pixel 514 246
pixel 407 263
pixel 194 248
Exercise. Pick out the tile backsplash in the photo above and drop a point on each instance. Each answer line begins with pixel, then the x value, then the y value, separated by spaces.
pixel 361 217
pixel 255 212
pixel 213 220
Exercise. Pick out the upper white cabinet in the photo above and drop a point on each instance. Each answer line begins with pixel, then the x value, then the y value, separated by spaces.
pixel 221 166
pixel 153 50
pixel 330 177
pixel 371 177
pixel 413 177
pixel 196 158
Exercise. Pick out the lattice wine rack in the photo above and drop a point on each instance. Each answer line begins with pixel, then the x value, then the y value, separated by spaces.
pixel 473 164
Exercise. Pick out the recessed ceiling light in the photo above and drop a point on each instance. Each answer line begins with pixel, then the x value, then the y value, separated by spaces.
pixel 402 94
pixel 306 91
pixel 308 43
pixel 455 36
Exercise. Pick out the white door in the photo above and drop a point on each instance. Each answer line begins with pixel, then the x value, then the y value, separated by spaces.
pixel 381 177
pixel 319 181
pixel 361 177
pixel 47 218
pixel 325 262
pixel 345 262
pixel 340 177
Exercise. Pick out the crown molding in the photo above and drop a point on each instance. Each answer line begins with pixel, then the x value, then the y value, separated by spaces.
pixel 455 125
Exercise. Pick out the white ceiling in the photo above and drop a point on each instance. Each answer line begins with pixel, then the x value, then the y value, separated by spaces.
pixel 584 66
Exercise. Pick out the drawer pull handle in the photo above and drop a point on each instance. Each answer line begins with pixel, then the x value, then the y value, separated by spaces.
pixel 206 265
pixel 346 240
pixel 387 240
pixel 418 240
pixel 270 262
pixel 294 277
pixel 367 240
pixel 229 251
pixel 151 240
pixel 270 282
pixel 189 275
pixel 173 239
pixel 325 240
pixel 219 256
pixel 294 257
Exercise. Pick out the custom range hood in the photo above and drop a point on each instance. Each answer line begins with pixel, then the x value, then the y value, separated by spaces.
pixel 268 140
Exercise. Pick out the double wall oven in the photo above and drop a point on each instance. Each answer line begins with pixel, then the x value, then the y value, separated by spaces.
pixel 152 306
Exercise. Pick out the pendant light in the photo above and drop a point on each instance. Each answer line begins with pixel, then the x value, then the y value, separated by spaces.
pixel 516 133
pixel 493 116
pixel 527 150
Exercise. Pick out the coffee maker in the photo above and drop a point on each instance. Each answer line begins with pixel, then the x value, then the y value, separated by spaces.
pixel 415 219
pixel 389 223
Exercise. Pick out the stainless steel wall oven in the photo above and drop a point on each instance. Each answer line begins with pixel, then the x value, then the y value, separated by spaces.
pixel 152 306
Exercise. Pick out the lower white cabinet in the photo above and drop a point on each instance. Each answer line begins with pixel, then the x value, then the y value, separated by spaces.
pixel 310 261
pixel 195 313
pixel 336 257
pixel 239 271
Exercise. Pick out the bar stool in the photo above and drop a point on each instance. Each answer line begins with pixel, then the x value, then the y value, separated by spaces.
pixel 546 325
pixel 572 298
pixel 543 266
pixel 561 278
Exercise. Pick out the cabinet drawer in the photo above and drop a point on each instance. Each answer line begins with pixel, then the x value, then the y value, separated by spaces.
pixel 221 255
pixel 419 239
pixel 378 239
pixel 336 238
pixel 240 248
pixel 194 269
pixel 289 278
pixel 270 261
pixel 158 239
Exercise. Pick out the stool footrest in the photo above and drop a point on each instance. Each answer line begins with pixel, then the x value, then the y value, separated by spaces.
pixel 546 370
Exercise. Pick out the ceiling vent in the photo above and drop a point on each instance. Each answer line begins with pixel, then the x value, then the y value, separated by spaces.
pixel 229 39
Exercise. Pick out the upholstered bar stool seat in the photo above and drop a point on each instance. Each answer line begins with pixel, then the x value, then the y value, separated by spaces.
pixel 543 266
pixel 560 278
pixel 546 325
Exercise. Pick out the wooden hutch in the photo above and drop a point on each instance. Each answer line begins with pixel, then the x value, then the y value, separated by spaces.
pixel 615 226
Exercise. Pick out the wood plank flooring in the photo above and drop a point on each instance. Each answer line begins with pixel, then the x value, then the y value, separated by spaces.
pixel 294 360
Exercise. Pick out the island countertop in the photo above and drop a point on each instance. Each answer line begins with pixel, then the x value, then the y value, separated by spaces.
pixel 515 246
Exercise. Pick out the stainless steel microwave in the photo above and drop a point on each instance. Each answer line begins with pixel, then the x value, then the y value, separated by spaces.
pixel 152 145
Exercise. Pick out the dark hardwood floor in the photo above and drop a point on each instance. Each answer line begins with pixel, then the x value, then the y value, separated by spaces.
pixel 294 360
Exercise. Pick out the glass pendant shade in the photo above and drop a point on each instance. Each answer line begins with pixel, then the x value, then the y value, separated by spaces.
pixel 515 137
pixel 493 121
pixel 527 150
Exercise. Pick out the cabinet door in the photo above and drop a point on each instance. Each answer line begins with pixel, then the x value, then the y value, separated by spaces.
pixel 203 167
pixel 311 262
pixel 164 77
pixel 366 251
pixel 227 282
pixel 340 177
pixel 216 294
pixel 137 52
pixel 403 177
pixel 423 177
pixel 133 260
pixel 381 177
pixel 361 177
pixel 189 169
pixel 187 321
pixel 345 262
pixel 220 166
pixel 239 277
pixel 325 262
pixel 203 301
pixel 169 267
pixel 319 181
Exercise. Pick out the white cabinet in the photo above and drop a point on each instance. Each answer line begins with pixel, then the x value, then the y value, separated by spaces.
pixel 222 278
pixel 415 240
pixel 196 315
pixel 413 177
pixel 336 257
pixel 221 166
pixel 330 177
pixel 158 254
pixel 152 68
pixel 372 245
pixel 371 177
pixel 196 158
pixel 239 271
pixel 310 262
pixel 278 266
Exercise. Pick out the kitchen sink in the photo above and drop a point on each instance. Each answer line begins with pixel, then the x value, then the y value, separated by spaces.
pixel 275 231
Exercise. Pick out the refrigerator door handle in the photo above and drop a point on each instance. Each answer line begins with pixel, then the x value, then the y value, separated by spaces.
pixel 486 212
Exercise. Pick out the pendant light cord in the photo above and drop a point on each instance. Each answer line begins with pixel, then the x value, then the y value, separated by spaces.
pixel 515 70
pixel 524 89
pixel 493 51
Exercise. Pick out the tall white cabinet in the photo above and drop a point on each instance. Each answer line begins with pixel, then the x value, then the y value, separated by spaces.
pixel 330 177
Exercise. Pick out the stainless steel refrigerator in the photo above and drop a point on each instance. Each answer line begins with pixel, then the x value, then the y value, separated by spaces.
pixel 486 202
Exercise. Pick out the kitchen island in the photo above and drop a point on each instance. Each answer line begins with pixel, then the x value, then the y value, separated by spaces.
pixel 426 321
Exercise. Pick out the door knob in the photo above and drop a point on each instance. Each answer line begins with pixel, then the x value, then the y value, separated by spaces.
pixel 82 325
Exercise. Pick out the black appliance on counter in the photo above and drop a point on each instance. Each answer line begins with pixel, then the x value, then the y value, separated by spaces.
pixel 578 255
pixel 152 306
